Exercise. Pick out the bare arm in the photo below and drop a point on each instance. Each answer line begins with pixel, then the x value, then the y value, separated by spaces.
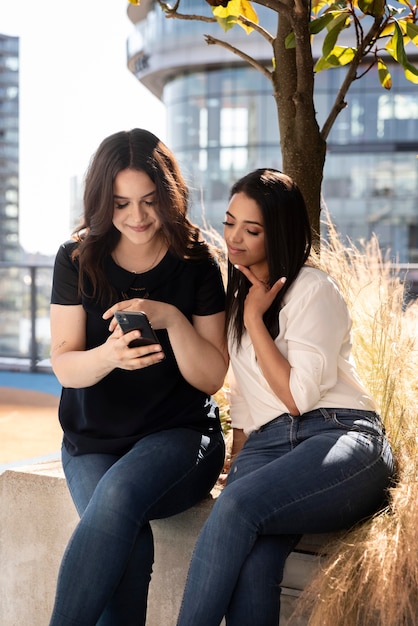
pixel 200 348
pixel 77 367
pixel 275 367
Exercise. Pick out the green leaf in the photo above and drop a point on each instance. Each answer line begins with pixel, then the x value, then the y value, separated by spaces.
pixel 318 24
pixel 396 49
pixel 321 65
pixel 412 32
pixel 372 7
pixel 384 74
pixel 226 22
pixel 335 27
pixel 315 27
pixel 290 41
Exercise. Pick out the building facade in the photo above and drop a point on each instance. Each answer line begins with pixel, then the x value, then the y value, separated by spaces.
pixel 222 122
pixel 9 149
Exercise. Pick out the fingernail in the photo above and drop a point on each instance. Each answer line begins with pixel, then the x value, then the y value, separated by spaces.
pixel 283 279
pixel 236 266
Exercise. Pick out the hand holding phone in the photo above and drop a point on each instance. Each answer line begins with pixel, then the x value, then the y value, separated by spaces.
pixel 137 320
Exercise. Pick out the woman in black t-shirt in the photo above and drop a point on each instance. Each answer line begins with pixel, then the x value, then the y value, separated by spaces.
pixel 142 437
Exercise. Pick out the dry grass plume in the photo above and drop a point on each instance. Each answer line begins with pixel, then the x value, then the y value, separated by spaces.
pixel 371 576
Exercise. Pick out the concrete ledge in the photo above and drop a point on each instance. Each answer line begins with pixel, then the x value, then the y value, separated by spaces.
pixel 37 517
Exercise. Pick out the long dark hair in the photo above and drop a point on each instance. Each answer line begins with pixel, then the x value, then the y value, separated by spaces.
pixel 288 241
pixel 140 150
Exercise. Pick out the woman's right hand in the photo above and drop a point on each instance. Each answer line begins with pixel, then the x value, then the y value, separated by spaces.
pixel 260 296
pixel 204 334
pixel 127 358
pixel 235 440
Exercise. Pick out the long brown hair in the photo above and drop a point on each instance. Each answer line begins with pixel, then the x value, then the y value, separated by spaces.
pixel 140 150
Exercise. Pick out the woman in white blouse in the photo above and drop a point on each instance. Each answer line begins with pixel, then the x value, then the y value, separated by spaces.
pixel 309 452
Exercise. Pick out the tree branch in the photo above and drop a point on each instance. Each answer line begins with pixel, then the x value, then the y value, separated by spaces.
pixel 218 42
pixel 259 29
pixel 275 5
pixel 350 77
pixel 171 12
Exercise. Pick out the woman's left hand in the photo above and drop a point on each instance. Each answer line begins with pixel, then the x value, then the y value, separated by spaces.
pixel 189 340
pixel 157 312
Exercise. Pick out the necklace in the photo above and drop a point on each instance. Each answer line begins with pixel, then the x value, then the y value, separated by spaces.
pixel 146 269
pixel 135 292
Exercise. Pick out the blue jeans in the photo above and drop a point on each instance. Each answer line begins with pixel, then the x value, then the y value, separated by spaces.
pixel 106 569
pixel 316 473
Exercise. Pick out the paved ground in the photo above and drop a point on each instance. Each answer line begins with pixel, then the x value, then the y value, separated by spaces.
pixel 29 427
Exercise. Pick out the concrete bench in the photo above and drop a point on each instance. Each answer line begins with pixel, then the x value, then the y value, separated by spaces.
pixel 37 517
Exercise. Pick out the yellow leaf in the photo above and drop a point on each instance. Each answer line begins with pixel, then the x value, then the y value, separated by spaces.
pixel 336 58
pixel 411 74
pixel 248 11
pixel 228 16
pixel 384 74
pixel 387 30
pixel 317 5
pixel 321 65
pixel 341 55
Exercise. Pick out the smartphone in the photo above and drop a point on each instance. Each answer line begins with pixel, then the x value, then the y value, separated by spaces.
pixel 137 320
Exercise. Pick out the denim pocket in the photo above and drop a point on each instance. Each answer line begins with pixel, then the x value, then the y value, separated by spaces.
pixel 365 422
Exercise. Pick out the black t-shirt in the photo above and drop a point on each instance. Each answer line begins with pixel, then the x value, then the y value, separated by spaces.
pixel 110 416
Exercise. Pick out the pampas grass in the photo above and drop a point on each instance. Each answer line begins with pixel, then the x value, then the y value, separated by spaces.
pixel 370 577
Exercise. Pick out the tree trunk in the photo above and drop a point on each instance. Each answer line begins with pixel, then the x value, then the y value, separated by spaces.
pixel 303 149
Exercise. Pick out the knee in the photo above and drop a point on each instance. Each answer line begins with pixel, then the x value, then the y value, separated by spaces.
pixel 113 498
pixel 232 504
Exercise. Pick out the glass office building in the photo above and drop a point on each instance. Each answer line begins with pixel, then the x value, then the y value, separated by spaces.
pixel 9 149
pixel 222 122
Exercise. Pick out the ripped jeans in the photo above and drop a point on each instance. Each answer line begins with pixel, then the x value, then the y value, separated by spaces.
pixel 106 569
pixel 316 473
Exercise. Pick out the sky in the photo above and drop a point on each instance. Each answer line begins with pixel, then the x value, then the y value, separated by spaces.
pixel 75 90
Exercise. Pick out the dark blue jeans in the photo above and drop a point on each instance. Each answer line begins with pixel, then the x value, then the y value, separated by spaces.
pixel 320 472
pixel 106 569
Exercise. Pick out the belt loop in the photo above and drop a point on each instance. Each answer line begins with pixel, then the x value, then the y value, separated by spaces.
pixel 325 414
